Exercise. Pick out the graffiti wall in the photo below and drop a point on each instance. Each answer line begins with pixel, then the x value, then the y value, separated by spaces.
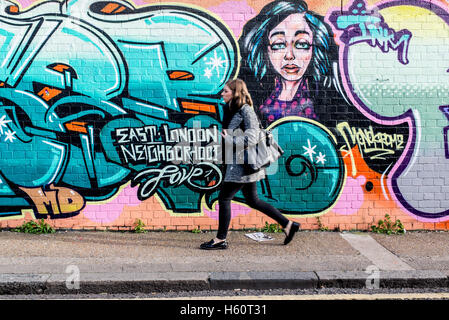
pixel 111 113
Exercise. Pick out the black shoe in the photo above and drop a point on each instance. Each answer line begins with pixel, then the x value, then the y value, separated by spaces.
pixel 293 229
pixel 214 246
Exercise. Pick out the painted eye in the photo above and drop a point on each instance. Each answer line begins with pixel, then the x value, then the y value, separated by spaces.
pixel 302 45
pixel 278 46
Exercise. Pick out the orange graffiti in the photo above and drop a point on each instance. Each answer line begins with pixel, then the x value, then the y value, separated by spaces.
pixel 191 107
pixel 375 185
pixel 76 126
pixel 48 93
pixel 56 200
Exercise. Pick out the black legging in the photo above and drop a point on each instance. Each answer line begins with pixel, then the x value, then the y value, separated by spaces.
pixel 227 193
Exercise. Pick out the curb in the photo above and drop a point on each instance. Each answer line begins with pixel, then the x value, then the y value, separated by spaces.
pixel 115 283
pixel 386 279
pixel 262 280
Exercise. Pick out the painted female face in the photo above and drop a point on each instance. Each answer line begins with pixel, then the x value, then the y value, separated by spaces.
pixel 227 94
pixel 290 47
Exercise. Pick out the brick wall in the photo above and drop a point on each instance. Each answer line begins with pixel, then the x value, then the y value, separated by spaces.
pixel 110 112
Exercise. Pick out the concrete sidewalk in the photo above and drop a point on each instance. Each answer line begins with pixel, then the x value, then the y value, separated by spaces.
pixel 114 262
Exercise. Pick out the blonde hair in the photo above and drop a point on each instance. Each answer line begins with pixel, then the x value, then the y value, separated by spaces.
pixel 240 94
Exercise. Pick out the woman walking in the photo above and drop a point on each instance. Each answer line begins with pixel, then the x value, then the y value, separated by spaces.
pixel 239 113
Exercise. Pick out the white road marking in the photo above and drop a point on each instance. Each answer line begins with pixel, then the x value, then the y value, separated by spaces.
pixel 377 254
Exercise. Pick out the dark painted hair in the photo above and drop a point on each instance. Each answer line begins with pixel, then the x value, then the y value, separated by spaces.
pixel 254 45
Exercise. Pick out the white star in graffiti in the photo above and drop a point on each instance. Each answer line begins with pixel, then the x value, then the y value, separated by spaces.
pixel 3 123
pixel 10 136
pixel 208 73
pixel 310 151
pixel 321 158
pixel 216 63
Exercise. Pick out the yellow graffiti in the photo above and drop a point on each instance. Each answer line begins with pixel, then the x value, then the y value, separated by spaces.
pixel 56 200
pixel 373 145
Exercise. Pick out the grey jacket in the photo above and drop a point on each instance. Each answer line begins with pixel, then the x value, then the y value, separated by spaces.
pixel 236 140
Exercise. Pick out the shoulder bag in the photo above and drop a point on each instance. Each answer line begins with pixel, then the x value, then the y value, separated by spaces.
pixel 265 152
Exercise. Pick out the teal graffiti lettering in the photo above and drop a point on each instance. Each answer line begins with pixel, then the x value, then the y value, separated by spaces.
pixel 359 26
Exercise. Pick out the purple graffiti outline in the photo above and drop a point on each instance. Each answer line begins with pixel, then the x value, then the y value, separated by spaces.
pixel 445 111
pixel 402 163
pixel 362 31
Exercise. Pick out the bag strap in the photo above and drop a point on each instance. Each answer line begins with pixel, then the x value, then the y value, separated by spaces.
pixel 266 132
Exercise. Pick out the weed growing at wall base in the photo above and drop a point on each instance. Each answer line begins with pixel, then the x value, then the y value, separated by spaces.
pixel 139 227
pixel 388 227
pixel 196 230
pixel 271 228
pixel 321 227
pixel 35 228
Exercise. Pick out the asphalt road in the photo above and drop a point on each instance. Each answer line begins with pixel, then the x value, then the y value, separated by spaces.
pixel 273 294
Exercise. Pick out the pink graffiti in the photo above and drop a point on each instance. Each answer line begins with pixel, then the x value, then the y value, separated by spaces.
pixel 236 209
pixel 110 211
pixel 235 14
pixel 351 199
pixel 140 2
pixel 24 3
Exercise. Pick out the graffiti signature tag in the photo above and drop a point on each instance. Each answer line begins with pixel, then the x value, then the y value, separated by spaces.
pixel 55 200
pixel 377 145
pixel 359 26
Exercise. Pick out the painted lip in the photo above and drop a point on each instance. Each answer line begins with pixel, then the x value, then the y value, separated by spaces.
pixel 291 68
